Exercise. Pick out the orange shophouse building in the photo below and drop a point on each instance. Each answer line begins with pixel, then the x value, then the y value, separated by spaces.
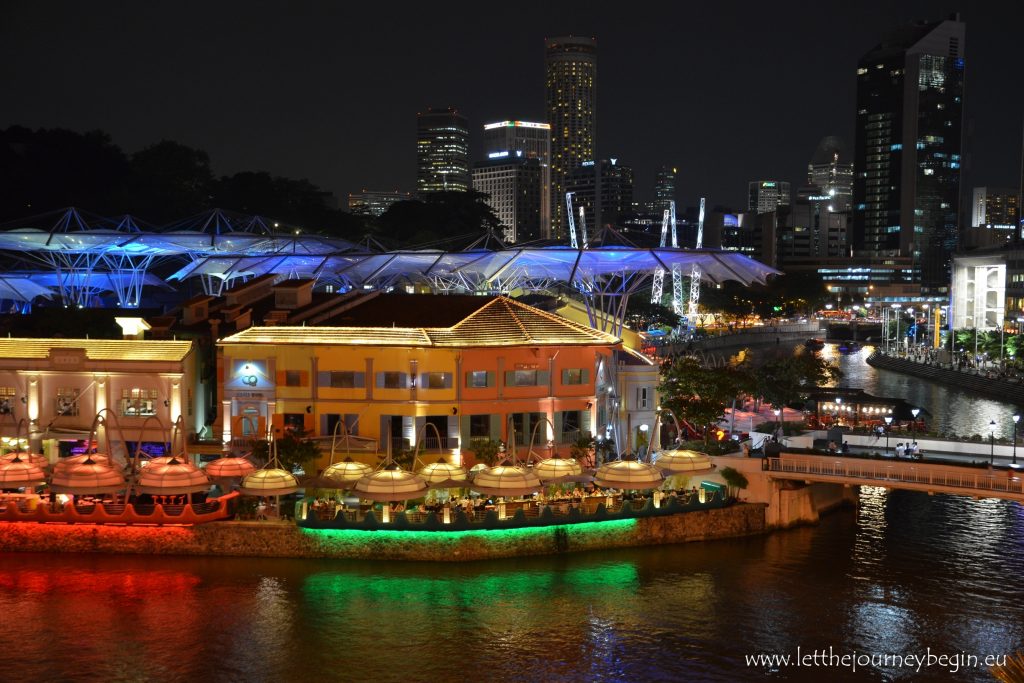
pixel 393 364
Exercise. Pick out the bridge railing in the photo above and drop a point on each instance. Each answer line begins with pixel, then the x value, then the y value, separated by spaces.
pixel 905 472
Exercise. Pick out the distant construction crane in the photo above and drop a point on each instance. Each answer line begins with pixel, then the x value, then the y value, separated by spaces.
pixel 572 224
pixel 659 273
pixel 691 311
pixel 668 220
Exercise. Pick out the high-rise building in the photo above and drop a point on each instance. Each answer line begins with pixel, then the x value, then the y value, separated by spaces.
pixel 767 195
pixel 664 188
pixel 524 139
pixel 831 170
pixel 571 85
pixel 995 206
pixel 995 218
pixel 442 151
pixel 906 189
pixel 605 191
pixel 513 186
pixel 374 202
pixel 815 229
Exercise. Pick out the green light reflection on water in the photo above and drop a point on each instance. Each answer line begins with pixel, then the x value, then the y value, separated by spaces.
pixel 412 587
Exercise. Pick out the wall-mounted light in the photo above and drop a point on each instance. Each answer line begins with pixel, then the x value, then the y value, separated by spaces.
pixel 455 411
pixel 309 409
pixel 167 403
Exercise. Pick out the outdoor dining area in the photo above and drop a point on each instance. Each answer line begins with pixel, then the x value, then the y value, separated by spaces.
pixel 93 487
pixel 515 491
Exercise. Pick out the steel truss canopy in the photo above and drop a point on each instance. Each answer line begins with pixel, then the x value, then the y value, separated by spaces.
pixel 604 276
pixel 483 270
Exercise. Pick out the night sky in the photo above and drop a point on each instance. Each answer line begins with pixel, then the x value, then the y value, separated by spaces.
pixel 728 92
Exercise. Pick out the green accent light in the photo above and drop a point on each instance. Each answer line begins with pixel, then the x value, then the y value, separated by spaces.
pixel 424 538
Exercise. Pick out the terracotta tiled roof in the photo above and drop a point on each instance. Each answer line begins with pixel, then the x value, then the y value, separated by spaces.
pixel 501 322
pixel 97 349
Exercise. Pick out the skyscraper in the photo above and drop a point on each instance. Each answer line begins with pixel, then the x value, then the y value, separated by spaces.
pixel 527 140
pixel 571 85
pixel 375 202
pixel 513 185
pixel 442 151
pixel 831 169
pixel 605 191
pixel 765 196
pixel 906 189
pixel 664 188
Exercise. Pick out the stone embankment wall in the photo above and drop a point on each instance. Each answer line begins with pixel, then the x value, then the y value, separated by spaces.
pixel 285 540
pixel 994 387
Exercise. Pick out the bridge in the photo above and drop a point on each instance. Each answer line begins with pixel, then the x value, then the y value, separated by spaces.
pixel 896 474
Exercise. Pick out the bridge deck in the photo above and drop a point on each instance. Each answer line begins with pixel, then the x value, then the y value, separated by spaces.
pixel 913 476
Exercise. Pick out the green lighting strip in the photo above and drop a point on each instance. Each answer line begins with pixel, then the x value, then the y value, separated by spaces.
pixel 363 535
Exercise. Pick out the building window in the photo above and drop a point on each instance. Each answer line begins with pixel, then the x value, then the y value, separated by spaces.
pixel 525 378
pixel 575 376
pixel 642 398
pixel 391 380
pixel 479 379
pixel 294 422
pixel 436 380
pixel 136 402
pixel 293 378
pixel 346 380
pixel 7 395
pixel 479 426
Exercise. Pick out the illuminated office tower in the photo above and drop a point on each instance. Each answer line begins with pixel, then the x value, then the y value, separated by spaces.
pixel 906 185
pixel 571 85
pixel 511 140
pixel 766 196
pixel 442 151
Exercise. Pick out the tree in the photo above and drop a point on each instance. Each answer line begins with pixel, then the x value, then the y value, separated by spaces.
pixel 485 451
pixel 782 381
pixel 48 169
pixel 438 216
pixel 735 479
pixel 169 181
pixel 294 450
pixel 700 394
pixel 643 313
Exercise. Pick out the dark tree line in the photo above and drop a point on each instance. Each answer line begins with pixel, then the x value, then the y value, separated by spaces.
pixel 46 170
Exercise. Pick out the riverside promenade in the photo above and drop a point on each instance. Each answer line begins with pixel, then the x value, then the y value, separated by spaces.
pixel 987 382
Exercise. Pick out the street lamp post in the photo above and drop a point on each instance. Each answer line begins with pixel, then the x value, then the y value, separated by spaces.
pixel 913 425
pixel 1016 419
pixel 839 409
pixel 992 442
pixel 778 423
pixel 888 422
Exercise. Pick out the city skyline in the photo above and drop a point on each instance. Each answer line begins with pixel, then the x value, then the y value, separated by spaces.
pixel 336 104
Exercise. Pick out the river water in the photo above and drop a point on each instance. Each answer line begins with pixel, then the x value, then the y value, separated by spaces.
pixel 945 408
pixel 904 573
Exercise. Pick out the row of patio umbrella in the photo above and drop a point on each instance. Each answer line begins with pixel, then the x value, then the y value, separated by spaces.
pixel 95 473
pixel 506 478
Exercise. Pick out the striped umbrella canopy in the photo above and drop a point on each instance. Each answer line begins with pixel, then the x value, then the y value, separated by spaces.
pixel 94 458
pixel 172 477
pixel 272 481
pixel 506 480
pixel 33 458
pixel 444 475
pixel 87 477
pixel 230 467
pixel 17 473
pixel 390 483
pixel 346 472
pixel 555 470
pixel 680 461
pixel 628 474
